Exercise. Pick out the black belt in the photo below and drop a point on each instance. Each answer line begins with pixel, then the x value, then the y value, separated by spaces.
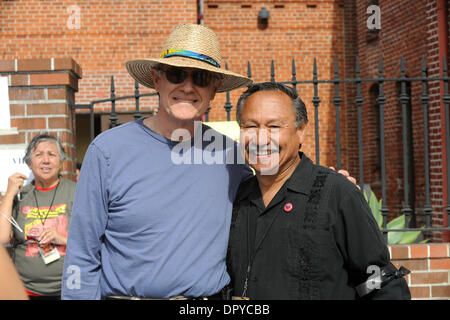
pixel 218 296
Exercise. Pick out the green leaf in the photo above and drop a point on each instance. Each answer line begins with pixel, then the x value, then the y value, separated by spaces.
pixel 379 215
pixel 397 223
pixel 396 237
pixel 409 237
pixel 375 206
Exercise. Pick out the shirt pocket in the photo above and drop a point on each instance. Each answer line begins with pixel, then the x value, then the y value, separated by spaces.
pixel 309 250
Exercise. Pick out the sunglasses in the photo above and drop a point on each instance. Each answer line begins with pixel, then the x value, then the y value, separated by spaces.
pixel 200 78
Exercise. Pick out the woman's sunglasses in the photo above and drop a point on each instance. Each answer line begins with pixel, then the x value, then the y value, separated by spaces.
pixel 200 78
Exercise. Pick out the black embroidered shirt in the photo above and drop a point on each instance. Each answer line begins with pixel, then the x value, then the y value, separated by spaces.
pixel 315 240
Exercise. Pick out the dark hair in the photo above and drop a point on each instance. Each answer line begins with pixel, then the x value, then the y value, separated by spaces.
pixel 38 139
pixel 297 103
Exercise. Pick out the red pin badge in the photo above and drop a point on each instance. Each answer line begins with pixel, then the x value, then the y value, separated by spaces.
pixel 288 207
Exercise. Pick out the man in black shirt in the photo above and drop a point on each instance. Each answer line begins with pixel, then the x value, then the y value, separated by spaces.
pixel 300 231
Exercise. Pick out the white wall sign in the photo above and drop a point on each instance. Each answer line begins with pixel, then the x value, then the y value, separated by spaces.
pixel 10 162
pixel 5 120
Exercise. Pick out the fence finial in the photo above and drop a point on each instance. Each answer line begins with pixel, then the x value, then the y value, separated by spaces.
pixel 113 116
pixel 336 70
pixel 272 72
pixel 137 113
pixel 294 78
pixel 228 106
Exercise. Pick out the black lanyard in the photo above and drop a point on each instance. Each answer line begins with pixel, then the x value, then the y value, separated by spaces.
pixel 251 236
pixel 250 256
pixel 252 246
pixel 49 208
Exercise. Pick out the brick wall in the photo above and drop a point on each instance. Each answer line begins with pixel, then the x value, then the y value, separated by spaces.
pixel 408 29
pixel 100 35
pixel 297 29
pixel 41 92
pixel 430 269
pixel 400 35
pixel 112 32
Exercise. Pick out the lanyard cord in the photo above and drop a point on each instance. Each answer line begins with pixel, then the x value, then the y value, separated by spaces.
pixel 249 265
pixel 249 256
pixel 49 208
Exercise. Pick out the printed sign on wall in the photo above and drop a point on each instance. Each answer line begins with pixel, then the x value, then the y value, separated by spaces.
pixel 11 161
pixel 5 121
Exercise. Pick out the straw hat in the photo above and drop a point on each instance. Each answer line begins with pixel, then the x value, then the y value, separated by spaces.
pixel 193 46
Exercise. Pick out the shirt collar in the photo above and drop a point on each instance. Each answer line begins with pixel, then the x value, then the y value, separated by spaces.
pixel 301 180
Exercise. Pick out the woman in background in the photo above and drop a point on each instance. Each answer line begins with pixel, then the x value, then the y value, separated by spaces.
pixel 35 218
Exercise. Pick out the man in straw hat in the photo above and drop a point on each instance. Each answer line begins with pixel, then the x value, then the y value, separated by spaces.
pixel 143 226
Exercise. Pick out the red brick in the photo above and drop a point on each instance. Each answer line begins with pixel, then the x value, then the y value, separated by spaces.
pixel 19 80
pixel 59 123
pixel 67 64
pixel 29 123
pixel 71 152
pixel 67 137
pixel 429 277
pixel 7 65
pixel 419 251
pixel 31 135
pixel 399 252
pixel 440 292
pixel 417 264
pixel 12 138
pixel 440 264
pixel 26 94
pixel 17 109
pixel 439 250
pixel 47 109
pixel 420 292
pixel 49 79
pixel 69 166
pixel 57 93
pixel 34 65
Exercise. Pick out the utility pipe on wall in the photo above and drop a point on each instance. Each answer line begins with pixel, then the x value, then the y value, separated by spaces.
pixel 442 20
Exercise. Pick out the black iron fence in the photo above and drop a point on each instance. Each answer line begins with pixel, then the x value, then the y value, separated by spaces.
pixel 358 100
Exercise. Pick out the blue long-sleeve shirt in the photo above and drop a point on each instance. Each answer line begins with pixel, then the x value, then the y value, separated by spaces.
pixel 145 225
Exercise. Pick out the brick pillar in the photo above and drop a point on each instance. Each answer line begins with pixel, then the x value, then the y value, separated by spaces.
pixel 41 93
pixel 430 268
